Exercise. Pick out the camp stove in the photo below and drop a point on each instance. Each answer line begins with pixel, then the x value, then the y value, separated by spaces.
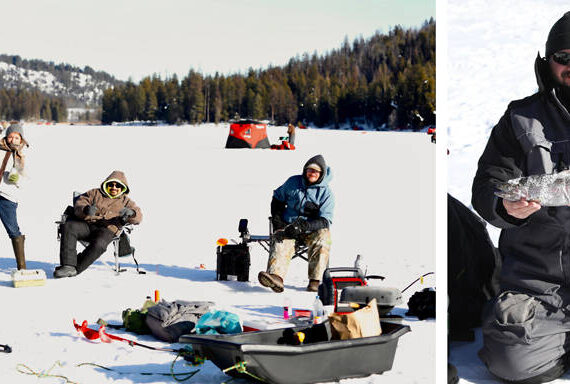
pixel 335 280
pixel 347 289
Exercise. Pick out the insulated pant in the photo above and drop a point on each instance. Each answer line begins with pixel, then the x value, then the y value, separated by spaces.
pixel 73 231
pixel 318 243
pixel 524 339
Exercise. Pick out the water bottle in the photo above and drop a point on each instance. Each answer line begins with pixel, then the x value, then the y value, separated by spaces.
pixel 318 310
pixel 287 308
pixel 361 265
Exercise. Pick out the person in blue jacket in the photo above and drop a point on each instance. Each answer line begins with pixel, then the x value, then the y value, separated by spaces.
pixel 301 210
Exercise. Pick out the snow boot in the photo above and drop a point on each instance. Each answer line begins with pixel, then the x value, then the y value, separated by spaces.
pixel 18 245
pixel 270 280
pixel 313 285
pixel 65 271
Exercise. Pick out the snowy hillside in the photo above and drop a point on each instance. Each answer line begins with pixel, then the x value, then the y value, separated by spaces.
pixel 193 191
pixel 80 86
pixel 492 47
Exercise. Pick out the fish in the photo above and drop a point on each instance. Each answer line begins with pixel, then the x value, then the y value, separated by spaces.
pixel 549 190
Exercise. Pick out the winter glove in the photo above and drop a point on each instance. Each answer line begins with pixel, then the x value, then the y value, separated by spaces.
pixel 90 210
pixel 316 224
pixel 295 229
pixel 311 210
pixel 13 178
pixel 125 214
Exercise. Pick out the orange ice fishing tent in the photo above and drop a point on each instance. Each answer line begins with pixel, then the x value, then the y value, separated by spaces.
pixel 247 134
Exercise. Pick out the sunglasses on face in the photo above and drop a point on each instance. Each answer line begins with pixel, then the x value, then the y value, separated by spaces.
pixel 114 185
pixel 562 58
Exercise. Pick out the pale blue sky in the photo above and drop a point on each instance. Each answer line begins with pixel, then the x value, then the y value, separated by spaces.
pixel 140 37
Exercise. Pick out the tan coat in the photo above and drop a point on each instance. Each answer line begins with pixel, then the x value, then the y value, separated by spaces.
pixel 108 208
pixel 17 153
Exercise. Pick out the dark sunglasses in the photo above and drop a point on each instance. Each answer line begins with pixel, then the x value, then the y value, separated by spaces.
pixel 562 58
pixel 115 185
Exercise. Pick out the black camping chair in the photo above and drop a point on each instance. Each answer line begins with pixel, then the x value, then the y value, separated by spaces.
pixel 121 242
pixel 267 241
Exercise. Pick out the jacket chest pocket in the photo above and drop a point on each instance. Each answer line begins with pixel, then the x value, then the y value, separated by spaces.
pixel 560 155
pixel 540 159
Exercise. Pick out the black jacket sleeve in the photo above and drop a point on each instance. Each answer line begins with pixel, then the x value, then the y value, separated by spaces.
pixel 502 160
pixel 277 211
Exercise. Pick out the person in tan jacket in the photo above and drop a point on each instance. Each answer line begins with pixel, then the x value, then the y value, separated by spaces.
pixel 99 215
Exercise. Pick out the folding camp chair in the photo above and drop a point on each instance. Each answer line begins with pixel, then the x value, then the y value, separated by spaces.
pixel 121 242
pixel 267 241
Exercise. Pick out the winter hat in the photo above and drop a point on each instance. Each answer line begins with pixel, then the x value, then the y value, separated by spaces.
pixel 314 166
pixel 559 35
pixel 16 127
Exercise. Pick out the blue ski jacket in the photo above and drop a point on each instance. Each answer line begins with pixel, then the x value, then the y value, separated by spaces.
pixel 295 193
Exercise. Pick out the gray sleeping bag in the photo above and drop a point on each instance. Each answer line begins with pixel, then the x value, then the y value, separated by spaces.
pixel 169 320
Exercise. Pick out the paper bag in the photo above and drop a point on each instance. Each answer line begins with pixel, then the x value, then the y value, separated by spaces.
pixel 362 323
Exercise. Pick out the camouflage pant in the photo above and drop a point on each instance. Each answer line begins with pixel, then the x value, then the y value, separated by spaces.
pixel 319 244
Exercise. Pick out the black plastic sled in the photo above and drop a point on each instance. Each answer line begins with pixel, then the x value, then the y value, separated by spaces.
pixel 270 356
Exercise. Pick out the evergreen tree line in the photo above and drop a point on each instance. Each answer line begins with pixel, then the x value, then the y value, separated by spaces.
pixel 61 71
pixel 386 79
pixel 20 104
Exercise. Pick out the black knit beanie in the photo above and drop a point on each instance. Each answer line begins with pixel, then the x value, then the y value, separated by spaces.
pixel 559 36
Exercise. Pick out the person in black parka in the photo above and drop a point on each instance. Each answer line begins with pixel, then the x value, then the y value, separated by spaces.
pixel 526 332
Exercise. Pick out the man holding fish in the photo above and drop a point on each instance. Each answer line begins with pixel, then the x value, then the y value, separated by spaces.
pixel 522 186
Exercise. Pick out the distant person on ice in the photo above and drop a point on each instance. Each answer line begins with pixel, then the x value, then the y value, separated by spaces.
pixel 11 171
pixel 301 210
pixel 100 213
pixel 291 133
pixel 526 330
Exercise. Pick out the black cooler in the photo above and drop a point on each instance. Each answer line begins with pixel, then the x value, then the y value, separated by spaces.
pixel 233 262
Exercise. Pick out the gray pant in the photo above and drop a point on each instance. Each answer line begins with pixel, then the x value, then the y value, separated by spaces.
pixel 523 338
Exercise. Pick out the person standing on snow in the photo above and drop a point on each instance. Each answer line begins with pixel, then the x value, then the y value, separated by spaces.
pixel 100 213
pixel 291 133
pixel 11 171
pixel 301 210
pixel 525 330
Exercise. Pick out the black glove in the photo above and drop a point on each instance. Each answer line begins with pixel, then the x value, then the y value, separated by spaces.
pixel 90 210
pixel 125 214
pixel 311 210
pixel 295 229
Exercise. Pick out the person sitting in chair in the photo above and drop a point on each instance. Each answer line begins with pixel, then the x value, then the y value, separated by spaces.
pixel 302 211
pixel 99 215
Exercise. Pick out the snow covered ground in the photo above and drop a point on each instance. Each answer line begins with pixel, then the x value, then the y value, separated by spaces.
pixel 491 50
pixel 193 191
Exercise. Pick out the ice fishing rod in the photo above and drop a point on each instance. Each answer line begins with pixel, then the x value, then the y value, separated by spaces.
pixel 416 280
pixel 91 334
pixel 105 337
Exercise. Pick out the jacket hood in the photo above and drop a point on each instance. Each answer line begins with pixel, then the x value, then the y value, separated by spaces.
pixel 542 73
pixel 320 161
pixel 116 176
pixel 326 174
